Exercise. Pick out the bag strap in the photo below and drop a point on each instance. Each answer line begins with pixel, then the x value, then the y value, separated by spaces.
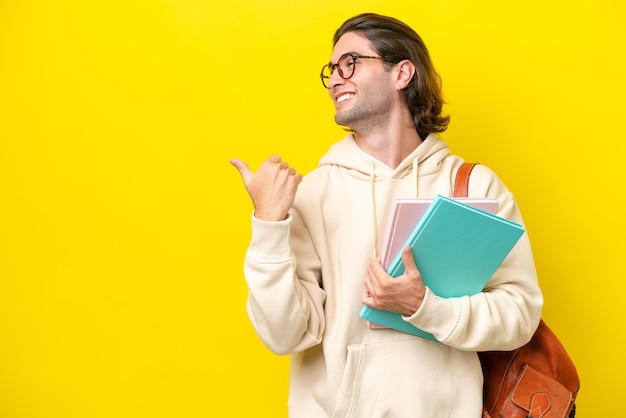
pixel 461 181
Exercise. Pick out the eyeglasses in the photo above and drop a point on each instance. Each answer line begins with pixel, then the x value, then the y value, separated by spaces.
pixel 345 66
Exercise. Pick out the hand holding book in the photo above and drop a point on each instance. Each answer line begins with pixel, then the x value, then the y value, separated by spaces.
pixel 406 294
pixel 457 248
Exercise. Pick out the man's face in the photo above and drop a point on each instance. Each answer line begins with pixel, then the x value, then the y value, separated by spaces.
pixel 363 100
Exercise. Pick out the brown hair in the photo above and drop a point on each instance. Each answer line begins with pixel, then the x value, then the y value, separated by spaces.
pixel 395 41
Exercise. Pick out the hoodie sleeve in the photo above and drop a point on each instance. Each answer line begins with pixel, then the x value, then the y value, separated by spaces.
pixel 506 314
pixel 286 311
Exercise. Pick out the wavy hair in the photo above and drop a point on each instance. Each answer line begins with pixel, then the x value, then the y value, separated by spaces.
pixel 395 41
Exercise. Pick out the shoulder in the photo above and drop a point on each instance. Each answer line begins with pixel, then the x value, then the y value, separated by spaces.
pixel 314 185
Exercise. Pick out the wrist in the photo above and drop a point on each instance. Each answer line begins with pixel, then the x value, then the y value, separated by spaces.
pixel 269 217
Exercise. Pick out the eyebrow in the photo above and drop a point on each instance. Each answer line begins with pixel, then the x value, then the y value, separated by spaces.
pixel 343 55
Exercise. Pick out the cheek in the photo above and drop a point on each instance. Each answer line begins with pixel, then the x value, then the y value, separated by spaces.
pixel 380 83
pixel 376 89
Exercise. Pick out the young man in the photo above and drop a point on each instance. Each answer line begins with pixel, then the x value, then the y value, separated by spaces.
pixel 312 261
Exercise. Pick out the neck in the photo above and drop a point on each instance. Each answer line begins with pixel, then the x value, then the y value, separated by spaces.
pixel 391 146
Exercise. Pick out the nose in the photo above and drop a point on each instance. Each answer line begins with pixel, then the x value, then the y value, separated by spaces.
pixel 335 79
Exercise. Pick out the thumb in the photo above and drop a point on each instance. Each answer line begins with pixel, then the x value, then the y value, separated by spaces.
pixel 244 170
pixel 408 260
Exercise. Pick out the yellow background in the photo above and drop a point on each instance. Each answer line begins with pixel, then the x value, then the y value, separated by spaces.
pixel 123 227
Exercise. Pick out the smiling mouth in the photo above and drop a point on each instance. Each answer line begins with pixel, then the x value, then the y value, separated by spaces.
pixel 345 97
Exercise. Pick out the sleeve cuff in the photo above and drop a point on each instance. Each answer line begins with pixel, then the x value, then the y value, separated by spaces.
pixel 438 316
pixel 270 240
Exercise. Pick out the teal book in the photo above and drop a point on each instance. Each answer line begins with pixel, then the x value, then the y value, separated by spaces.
pixel 457 249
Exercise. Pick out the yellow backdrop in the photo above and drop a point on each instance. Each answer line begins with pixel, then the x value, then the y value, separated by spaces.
pixel 123 227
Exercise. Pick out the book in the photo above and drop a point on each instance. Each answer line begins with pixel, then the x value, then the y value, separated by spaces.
pixel 405 214
pixel 457 249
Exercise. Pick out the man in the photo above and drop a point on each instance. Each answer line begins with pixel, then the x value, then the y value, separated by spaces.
pixel 312 261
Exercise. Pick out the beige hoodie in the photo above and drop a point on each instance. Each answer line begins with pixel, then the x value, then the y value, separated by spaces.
pixel 305 277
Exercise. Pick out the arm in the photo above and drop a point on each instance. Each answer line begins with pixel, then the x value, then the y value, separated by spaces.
pixel 503 316
pixel 285 306
pixel 285 310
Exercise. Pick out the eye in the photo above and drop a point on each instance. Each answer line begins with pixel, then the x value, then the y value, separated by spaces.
pixel 347 61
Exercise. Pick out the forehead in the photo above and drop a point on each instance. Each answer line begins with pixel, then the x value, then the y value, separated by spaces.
pixel 352 42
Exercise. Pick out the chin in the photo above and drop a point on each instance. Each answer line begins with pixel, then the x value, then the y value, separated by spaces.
pixel 342 120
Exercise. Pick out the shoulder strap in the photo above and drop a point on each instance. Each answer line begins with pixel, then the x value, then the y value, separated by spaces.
pixel 462 179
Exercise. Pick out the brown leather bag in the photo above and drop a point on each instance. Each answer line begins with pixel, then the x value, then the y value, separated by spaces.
pixel 538 380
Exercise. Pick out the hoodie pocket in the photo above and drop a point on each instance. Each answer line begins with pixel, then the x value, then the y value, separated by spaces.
pixel 409 378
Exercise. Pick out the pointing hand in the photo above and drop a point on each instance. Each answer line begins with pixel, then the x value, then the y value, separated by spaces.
pixel 272 189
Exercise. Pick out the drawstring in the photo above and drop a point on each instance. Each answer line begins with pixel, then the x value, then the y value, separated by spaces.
pixel 373 187
pixel 373 190
pixel 415 174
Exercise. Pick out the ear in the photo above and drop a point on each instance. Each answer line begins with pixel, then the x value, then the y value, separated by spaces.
pixel 405 72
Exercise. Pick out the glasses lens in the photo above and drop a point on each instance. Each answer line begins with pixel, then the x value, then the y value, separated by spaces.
pixel 346 66
pixel 325 75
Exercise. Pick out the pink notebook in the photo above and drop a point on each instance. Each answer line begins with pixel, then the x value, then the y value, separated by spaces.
pixel 404 216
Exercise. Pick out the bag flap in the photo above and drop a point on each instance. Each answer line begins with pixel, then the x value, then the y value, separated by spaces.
pixel 540 395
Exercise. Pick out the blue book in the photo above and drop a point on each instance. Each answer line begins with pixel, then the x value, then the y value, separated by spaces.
pixel 457 249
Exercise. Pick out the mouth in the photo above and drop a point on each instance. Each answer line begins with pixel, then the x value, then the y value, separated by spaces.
pixel 342 98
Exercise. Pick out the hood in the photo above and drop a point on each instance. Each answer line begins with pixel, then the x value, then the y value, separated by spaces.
pixel 424 159
pixel 346 153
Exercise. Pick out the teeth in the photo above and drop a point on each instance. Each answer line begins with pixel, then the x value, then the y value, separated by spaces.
pixel 345 97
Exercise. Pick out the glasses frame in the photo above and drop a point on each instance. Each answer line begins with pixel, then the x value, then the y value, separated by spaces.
pixel 333 67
